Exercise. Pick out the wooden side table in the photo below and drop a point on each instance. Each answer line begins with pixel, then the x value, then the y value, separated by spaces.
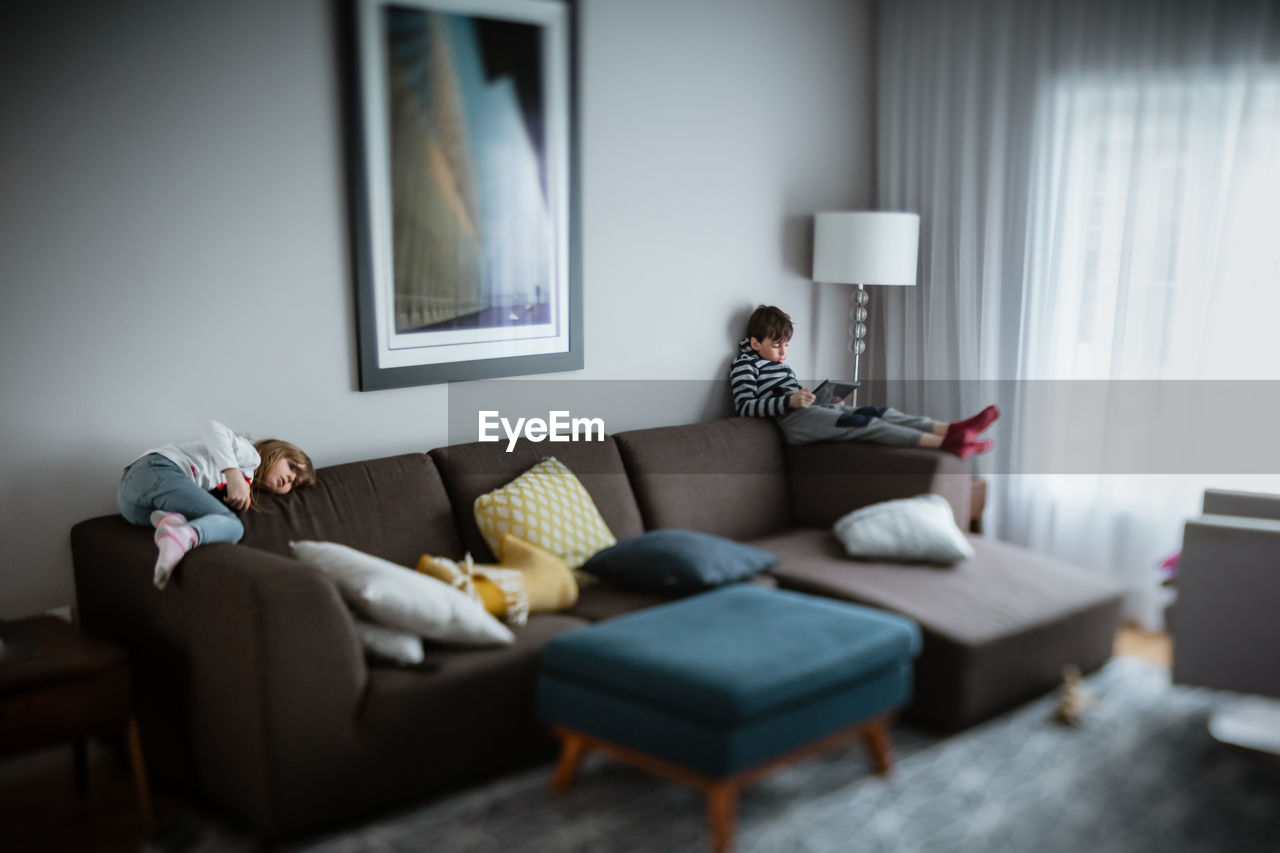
pixel 977 503
pixel 60 684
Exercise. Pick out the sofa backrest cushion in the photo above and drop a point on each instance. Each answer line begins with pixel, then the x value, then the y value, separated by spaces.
pixel 727 477
pixel 832 478
pixel 395 508
pixel 470 470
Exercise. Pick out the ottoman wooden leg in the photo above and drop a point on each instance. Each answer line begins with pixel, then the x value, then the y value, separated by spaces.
pixel 879 747
pixel 722 797
pixel 570 753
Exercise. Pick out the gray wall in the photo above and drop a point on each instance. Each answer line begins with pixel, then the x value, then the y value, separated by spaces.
pixel 175 244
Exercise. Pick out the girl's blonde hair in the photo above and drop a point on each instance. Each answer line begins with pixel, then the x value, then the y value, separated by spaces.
pixel 272 450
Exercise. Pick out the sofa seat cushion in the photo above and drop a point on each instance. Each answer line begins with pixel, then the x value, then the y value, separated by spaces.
pixel 457 719
pixel 417 692
pixel 997 629
pixel 478 695
pixel 604 600
pixel 998 593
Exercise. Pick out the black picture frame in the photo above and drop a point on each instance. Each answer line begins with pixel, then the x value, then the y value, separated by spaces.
pixel 464 189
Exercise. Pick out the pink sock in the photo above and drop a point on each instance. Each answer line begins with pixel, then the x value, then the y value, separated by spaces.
pixel 174 541
pixel 160 518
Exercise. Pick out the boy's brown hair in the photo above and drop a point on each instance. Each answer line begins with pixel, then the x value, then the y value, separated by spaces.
pixel 273 449
pixel 768 321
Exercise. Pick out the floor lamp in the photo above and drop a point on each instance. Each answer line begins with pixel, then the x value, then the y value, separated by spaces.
pixel 864 247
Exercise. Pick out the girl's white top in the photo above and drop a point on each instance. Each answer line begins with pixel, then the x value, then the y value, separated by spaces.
pixel 218 448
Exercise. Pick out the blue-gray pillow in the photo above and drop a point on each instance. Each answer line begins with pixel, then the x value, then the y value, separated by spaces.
pixel 672 560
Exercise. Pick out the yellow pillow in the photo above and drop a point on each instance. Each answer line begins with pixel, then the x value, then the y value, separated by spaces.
pixel 547 579
pixel 526 580
pixel 548 507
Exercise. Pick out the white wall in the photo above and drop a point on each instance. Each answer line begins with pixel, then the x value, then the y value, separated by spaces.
pixel 175 244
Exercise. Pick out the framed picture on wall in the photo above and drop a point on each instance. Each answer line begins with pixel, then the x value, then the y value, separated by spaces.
pixel 464 189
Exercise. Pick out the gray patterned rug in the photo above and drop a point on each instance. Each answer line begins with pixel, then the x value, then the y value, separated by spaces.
pixel 1141 774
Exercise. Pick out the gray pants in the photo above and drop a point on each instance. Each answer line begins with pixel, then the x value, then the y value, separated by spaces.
pixel 872 424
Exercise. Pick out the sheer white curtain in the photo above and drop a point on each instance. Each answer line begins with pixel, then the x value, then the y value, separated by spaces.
pixel 1097 184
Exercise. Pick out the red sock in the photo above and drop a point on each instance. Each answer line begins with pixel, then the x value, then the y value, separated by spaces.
pixel 960 432
pixel 978 447
pixel 981 421
pixel 968 448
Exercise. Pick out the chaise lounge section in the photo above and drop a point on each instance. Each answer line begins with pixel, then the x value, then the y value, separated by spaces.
pixel 253 691
pixel 997 628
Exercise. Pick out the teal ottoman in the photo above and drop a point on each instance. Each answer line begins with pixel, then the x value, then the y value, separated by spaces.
pixel 720 689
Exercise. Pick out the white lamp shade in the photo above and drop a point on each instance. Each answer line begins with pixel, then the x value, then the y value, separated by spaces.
pixel 866 247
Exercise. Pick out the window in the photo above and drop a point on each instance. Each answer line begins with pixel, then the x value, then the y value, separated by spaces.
pixel 1158 256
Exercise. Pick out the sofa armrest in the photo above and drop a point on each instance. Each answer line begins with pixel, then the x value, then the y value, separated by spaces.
pixel 245 664
pixel 1245 504
pixel 1223 623
pixel 831 478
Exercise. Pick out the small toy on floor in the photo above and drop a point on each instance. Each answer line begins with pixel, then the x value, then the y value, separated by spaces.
pixel 1075 698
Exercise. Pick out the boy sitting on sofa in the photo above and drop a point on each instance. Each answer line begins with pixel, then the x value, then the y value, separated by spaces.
pixel 763 386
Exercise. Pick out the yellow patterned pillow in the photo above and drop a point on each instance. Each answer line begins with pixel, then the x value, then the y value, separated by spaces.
pixel 547 506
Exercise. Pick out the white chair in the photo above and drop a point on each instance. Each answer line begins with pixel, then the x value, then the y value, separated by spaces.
pixel 1226 620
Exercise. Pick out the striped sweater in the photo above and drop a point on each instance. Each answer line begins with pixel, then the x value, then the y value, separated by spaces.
pixel 760 387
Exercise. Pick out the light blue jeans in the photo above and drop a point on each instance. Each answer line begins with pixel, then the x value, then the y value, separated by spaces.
pixel 156 482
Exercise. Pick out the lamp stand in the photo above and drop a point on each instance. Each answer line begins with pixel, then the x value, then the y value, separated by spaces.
pixel 858 300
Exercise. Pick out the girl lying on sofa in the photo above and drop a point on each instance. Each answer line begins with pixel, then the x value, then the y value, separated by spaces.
pixel 190 492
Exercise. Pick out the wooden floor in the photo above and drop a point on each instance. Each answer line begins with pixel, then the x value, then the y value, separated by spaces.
pixel 1154 647
pixel 40 810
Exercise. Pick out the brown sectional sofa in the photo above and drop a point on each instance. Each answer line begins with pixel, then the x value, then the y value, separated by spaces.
pixel 253 691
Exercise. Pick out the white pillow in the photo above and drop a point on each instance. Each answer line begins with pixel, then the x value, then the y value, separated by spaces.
pixel 920 529
pixel 390 644
pixel 398 597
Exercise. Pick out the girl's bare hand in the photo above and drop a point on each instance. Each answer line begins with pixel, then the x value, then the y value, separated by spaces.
pixel 237 492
